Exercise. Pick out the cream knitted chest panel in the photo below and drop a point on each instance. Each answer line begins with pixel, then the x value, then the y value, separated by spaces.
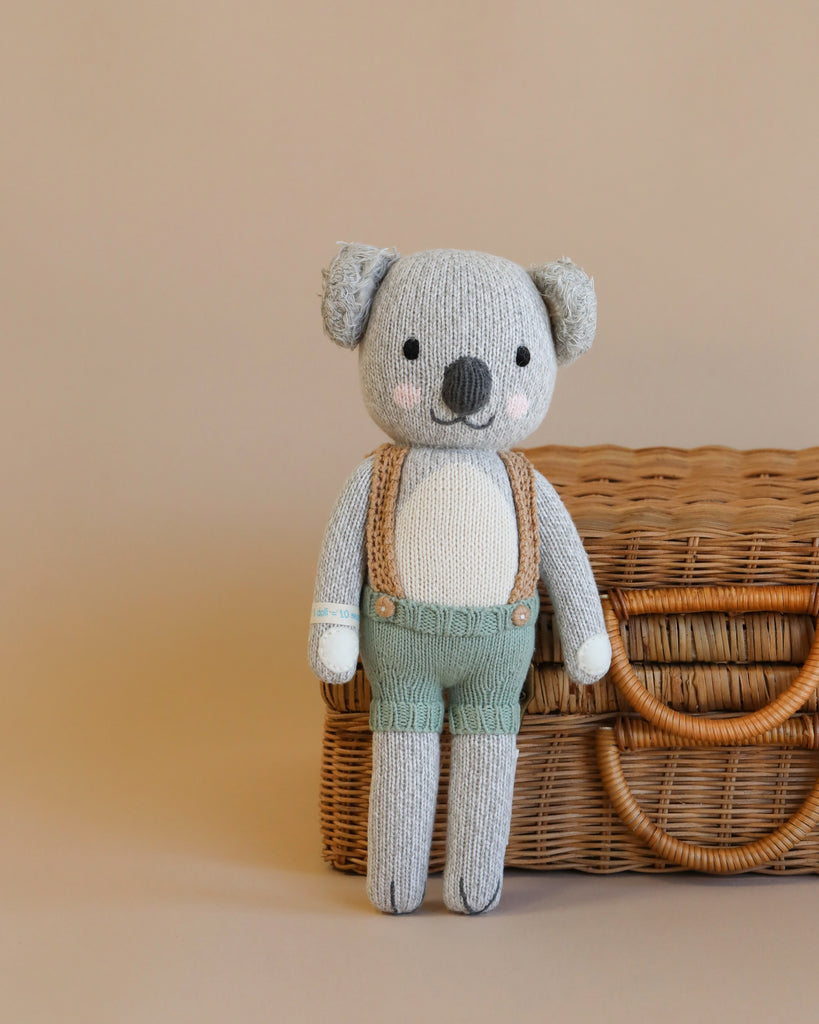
pixel 456 532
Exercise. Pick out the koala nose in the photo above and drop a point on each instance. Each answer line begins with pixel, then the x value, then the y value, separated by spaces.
pixel 467 385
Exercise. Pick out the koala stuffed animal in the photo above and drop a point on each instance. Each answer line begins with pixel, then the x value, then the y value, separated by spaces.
pixel 431 559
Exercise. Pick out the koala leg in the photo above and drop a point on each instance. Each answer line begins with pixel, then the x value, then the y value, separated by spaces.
pixel 403 795
pixel 482 778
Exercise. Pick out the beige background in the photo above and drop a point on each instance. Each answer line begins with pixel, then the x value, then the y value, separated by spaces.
pixel 174 428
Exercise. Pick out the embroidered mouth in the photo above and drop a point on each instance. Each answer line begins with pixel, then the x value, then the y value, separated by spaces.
pixel 464 420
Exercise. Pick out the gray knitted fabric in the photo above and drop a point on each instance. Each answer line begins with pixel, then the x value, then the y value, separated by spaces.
pixel 341 567
pixel 402 811
pixel 565 569
pixel 481 782
pixel 350 283
pixel 572 306
pixel 458 356
pixel 457 305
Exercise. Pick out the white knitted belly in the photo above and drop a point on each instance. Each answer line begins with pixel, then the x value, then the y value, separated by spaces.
pixel 456 539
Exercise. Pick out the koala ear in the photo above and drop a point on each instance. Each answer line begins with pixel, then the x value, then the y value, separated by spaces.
pixel 569 296
pixel 350 284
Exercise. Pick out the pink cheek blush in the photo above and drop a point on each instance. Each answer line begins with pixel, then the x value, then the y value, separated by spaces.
pixel 406 396
pixel 517 407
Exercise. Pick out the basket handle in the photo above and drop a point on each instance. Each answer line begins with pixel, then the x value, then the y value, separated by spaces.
pixel 712 859
pixel 622 603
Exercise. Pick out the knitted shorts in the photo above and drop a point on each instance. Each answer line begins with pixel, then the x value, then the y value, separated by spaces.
pixel 478 655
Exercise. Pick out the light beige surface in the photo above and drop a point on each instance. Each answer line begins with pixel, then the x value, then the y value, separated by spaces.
pixel 174 428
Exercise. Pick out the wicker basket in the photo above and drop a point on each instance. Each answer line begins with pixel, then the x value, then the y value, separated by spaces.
pixel 709 563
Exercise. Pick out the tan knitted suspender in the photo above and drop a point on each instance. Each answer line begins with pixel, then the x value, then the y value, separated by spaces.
pixel 389 459
pixel 522 478
pixel 387 465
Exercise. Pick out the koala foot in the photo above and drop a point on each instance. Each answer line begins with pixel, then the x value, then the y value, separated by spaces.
pixel 473 910
pixel 481 782
pixel 403 795
pixel 401 902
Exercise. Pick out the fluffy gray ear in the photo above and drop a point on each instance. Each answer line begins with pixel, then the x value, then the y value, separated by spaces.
pixel 350 284
pixel 569 296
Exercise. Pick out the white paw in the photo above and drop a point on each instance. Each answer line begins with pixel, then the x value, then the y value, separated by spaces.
pixel 338 649
pixel 594 656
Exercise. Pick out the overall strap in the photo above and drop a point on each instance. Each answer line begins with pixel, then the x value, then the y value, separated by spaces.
pixel 522 480
pixel 389 459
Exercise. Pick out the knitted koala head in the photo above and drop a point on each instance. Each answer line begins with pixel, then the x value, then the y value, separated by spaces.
pixel 457 349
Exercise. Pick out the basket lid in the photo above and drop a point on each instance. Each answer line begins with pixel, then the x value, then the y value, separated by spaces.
pixel 675 516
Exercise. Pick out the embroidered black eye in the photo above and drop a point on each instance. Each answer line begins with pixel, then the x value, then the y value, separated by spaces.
pixel 523 356
pixel 411 348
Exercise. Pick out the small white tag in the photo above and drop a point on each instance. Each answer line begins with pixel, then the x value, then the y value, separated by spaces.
pixel 338 614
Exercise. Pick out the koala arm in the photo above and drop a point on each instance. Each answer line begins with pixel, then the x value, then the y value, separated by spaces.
pixel 333 649
pixel 565 569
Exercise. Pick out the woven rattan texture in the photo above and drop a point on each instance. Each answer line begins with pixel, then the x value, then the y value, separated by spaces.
pixel 561 815
pixel 654 517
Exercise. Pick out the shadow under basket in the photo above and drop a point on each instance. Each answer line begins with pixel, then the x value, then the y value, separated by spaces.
pixel 700 748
